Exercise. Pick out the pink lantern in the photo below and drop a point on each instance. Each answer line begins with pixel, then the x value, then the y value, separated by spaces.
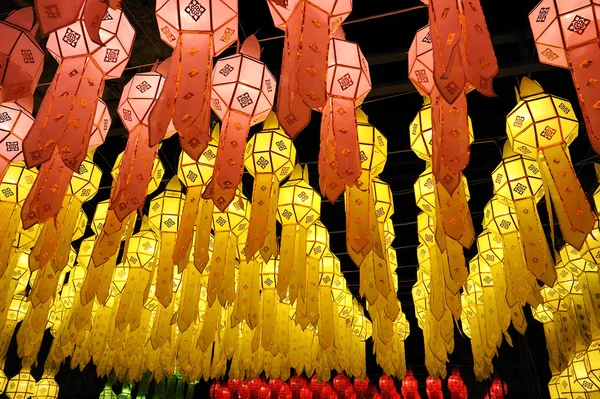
pixel 15 122
pixel 102 122
pixel 197 31
pixel 21 57
pixel 308 27
pixel 243 92
pixel 566 35
pixel 348 83
pixel 63 127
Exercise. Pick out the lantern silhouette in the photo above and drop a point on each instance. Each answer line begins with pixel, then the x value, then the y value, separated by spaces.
pixel 299 207
pixel 541 127
pixel 22 57
pixel 15 122
pixel 242 95
pixel 304 63
pixel 348 83
pixel 270 158
pixel 164 217
pixel 565 36
pixel 70 106
pixel 196 211
pixel 197 32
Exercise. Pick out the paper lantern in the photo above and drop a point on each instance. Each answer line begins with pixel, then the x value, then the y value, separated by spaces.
pixel 242 95
pixel 297 383
pixel 386 384
pixel 348 83
pixel 69 106
pixel 196 211
pixel 270 158
pixel 46 388
pixel 498 389
pixel 349 392
pixel 264 391
pixel 102 122
pixel 15 122
pixel 340 382
pixel 306 393
pixel 455 384
pixel 565 36
pixel 244 390
pixel 197 31
pixel 361 386
pixel 233 384
pixel 164 217
pixel 541 127
pixel 214 388
pixel 285 392
pixel 22 57
pixel 21 386
pixel 434 388
pixel 299 207
pixel 410 385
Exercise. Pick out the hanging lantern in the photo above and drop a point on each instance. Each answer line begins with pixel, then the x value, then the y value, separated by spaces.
pixel 264 392
pixel 270 158
pixel 386 384
pixel 233 384
pixel 23 58
pixel 254 384
pixel 455 384
pixel 541 127
pixel 348 83
pixel 244 390
pixel 361 386
pixel 107 393
pixel 242 95
pixel 197 32
pixel 46 388
pixel 297 383
pixel 15 122
pixel 410 386
pixel 196 211
pixel 226 394
pixel 340 382
pixel 164 217
pixel 306 393
pixel 498 389
pixel 434 388
pixel 214 388
pixel 349 392
pixel 304 63
pixel 21 386
pixel 285 392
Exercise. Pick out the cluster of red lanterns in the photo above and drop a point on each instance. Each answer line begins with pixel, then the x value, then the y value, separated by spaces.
pixel 342 388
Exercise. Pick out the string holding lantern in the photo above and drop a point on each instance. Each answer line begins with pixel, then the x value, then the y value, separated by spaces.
pixel 60 135
pixel 21 56
pixel 270 158
pixel 308 26
pixel 243 92
pixel 197 31
pixel 541 127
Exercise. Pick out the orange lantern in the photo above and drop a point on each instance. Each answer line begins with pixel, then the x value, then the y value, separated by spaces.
pixel 308 28
pixel 566 35
pixel 21 56
pixel 243 92
pixel 60 136
pixel 348 83
pixel 197 31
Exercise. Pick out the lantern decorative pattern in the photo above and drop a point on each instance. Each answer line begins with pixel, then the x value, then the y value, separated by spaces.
pixel 243 92
pixel 197 31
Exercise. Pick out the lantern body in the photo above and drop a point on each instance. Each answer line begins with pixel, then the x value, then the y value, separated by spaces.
pixel 21 386
pixel 348 71
pixel 306 393
pixel 15 122
pixel 297 383
pixel 102 122
pixel 386 384
pixel 361 386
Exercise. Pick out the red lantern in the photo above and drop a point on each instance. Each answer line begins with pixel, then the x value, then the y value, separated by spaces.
pixel 386 383
pixel 225 393
pixel 275 384
pixel 410 385
pixel 315 384
pixel 254 384
pixel 326 391
pixel 244 390
pixel 434 388
pixel 306 393
pixel 340 382
pixel 361 386
pixel 264 392
pixel 285 392
pixel 233 384
pixel 297 383
pixel 349 392
pixel 396 395
pixel 498 389
pixel 214 390
pixel 455 384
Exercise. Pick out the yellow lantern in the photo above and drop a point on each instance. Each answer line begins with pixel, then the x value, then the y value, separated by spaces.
pixel 46 387
pixel 21 386
pixel 197 211
pixel 304 285
pixel 299 207
pixel 270 157
pixel 329 273
pixel 164 217
pixel 269 302
pixel 541 127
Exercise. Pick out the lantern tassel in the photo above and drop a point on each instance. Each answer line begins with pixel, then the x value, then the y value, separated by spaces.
pixel 332 186
pixel 202 238
pixel 209 326
pixel 190 296
pixel 516 271
pixel 345 134
pixel 186 227
pixel 224 255
pixel 291 250
pixel 9 227
pixel 269 318
pixel 455 216
pixel 262 218
pixel 164 272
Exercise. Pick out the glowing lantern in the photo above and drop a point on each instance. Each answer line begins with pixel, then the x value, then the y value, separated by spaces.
pixel 306 393
pixel 164 217
pixel 268 302
pixel 270 158
pixel 254 384
pixel 361 386
pixel 340 382
pixel 434 388
pixel 69 106
pixel 226 393
pixel 455 384
pixel 349 392
pixel 242 95
pixel 264 391
pixel 197 31
pixel 234 384
pixel 46 388
pixel 298 209
pixel 214 388
pixel 410 386
pixel 244 390
pixel 297 383
pixel 15 122
pixel 196 211
pixel 285 392
pixel 304 63
pixel 498 389
pixel 107 393
pixel 21 55
pixel 102 122
pixel 386 384
pixel 541 127
pixel 21 386
pixel 348 83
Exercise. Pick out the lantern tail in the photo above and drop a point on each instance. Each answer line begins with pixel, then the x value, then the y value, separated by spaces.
pixel 292 254
pixel 191 110
pixel 269 318
pixel 573 211
pixel 516 271
pixel 293 114
pixel 135 171
pixel 224 252
pixel 164 271
pixel 382 275
pixel 82 314
pixel 392 307
pixel 106 272
pixel 454 215
pixel 54 15
pixel 437 302
pixel 190 296
pixel 311 291
pixel 457 273
pixel 537 252
pixel 202 234
pixel 244 292
pixel 479 60
pixel 585 73
pixel 9 227
pixel 55 111
pixel 445 30
pixel 262 221
pixel 45 286
pixel 499 276
pixel 186 227
pixel 345 134
pixel 367 285
pixel 227 289
pixel 229 164
pixel 314 48
pixel 253 313
pixel 332 186
pixel 208 331
pixel 45 198
pixel 358 218
pixel 326 319
pixel 109 241
pixel 161 329
pixel 93 13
